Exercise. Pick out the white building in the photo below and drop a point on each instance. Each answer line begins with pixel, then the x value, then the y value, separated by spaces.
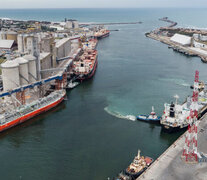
pixel 181 39
pixel 199 45
pixel 6 46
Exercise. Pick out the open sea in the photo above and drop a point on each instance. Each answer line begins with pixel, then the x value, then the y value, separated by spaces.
pixel 89 136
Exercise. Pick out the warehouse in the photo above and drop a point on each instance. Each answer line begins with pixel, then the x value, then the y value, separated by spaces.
pixel 181 39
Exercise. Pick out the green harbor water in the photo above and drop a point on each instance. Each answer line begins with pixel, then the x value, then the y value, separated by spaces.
pixel 89 136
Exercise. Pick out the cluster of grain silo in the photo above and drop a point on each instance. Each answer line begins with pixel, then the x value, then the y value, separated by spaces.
pixel 10 75
pixel 18 72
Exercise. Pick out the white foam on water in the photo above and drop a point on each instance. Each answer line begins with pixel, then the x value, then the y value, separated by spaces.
pixel 180 82
pixel 119 115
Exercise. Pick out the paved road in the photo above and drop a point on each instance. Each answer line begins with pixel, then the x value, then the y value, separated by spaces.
pixel 170 166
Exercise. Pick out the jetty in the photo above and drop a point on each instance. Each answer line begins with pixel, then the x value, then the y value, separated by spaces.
pixel 110 23
pixel 172 23
pixel 171 166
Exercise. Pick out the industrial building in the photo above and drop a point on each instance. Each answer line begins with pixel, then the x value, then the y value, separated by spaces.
pixel 181 39
pixel 71 24
pixel 6 46
pixel 63 48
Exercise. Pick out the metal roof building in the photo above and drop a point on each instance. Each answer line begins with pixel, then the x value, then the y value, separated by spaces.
pixel 6 44
pixel 181 39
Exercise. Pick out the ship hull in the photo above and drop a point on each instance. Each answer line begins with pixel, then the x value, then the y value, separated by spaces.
pixel 135 175
pixel 90 74
pixel 103 36
pixel 169 129
pixel 30 115
pixel 145 118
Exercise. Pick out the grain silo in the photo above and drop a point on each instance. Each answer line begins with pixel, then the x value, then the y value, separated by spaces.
pixel 20 42
pixel 32 69
pixel 2 35
pixel 23 70
pixel 10 75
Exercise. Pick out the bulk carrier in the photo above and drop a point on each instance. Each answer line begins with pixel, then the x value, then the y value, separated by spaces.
pixel 25 112
pixel 85 66
pixel 102 34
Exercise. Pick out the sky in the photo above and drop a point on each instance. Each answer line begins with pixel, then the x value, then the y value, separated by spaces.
pixel 101 3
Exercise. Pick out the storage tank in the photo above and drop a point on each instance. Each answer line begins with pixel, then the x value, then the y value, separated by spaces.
pixel 23 70
pixel 32 69
pixel 20 42
pixel 10 75
pixel 2 35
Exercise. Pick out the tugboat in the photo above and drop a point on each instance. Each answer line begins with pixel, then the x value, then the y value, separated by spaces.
pixel 138 166
pixel 150 118
pixel 72 84
pixel 123 176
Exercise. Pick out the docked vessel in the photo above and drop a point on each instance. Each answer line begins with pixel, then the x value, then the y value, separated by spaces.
pixel 150 118
pixel 123 176
pixel 72 84
pixel 25 112
pixel 176 116
pixel 138 166
pixel 102 34
pixel 90 44
pixel 85 66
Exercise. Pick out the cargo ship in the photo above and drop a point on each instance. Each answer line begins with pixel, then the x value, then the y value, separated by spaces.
pixel 102 34
pixel 138 166
pixel 90 44
pixel 176 116
pixel 25 112
pixel 85 66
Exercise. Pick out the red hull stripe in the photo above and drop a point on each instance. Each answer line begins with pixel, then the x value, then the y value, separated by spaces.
pixel 30 115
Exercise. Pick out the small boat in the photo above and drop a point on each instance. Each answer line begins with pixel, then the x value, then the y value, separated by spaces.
pixel 123 176
pixel 138 166
pixel 72 85
pixel 150 118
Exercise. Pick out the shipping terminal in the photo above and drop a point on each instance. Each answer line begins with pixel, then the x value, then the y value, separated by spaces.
pixel 36 73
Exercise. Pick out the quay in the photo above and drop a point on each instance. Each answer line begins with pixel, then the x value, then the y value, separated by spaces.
pixel 190 42
pixel 170 165
pixel 172 23
pixel 189 51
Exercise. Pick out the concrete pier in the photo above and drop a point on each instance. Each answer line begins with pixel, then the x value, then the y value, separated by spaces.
pixel 190 51
pixel 170 166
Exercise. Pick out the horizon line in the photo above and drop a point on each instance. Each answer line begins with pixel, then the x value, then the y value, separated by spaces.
pixel 107 8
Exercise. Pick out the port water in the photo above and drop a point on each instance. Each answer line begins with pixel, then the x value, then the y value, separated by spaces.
pixel 83 140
